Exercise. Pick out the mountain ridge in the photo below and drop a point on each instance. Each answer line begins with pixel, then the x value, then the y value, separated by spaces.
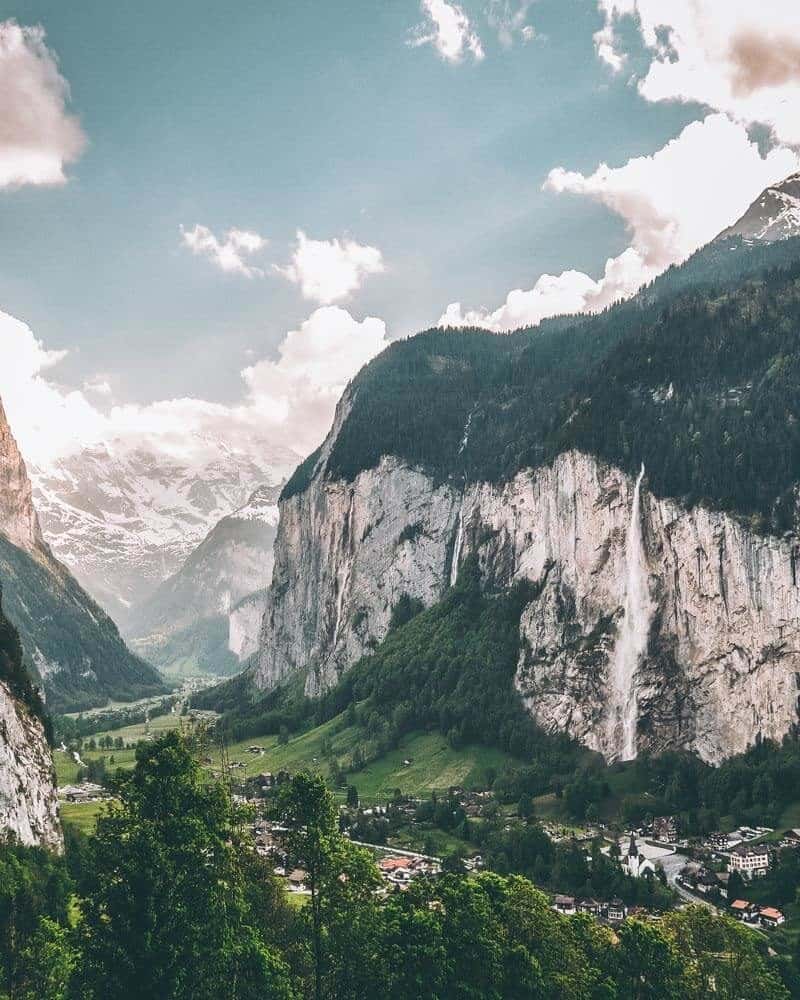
pixel 72 647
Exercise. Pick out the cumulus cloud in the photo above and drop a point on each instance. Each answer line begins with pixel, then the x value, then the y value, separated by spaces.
pixel 739 57
pixel 229 253
pixel 99 385
pixel 672 203
pixel 448 29
pixel 38 138
pixel 300 390
pixel 330 270
pixel 287 403
pixel 509 20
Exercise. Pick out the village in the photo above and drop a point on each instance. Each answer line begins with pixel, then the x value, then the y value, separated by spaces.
pixel 698 870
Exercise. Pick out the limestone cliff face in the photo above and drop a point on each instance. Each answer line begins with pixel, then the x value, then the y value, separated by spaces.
pixel 18 520
pixel 657 627
pixel 28 805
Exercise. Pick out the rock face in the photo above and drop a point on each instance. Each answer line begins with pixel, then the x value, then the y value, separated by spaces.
pixel 244 625
pixel 774 215
pixel 658 627
pixel 18 520
pixel 28 804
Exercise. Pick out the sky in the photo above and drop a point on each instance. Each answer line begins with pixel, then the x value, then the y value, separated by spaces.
pixel 213 215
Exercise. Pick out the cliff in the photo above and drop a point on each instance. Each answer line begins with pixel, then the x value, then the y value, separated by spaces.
pixel 28 804
pixel 683 619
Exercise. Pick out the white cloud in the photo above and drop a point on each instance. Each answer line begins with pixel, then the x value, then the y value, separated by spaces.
pixel 288 402
pixel 229 253
pixel 448 29
pixel 300 390
pixel 672 202
pixel 509 19
pixel 98 384
pixel 37 136
pixel 735 56
pixel 330 270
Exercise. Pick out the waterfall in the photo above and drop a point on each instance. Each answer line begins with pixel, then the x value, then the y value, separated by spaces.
pixel 631 643
pixel 457 549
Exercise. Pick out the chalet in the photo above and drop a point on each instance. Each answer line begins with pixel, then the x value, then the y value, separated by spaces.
pixel 749 860
pixel 297 880
pixel 743 910
pixel 718 841
pixel 665 828
pixel 616 911
pixel 590 906
pixel 770 917
pixel 564 904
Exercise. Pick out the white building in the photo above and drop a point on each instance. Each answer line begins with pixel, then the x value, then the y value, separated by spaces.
pixel 750 860
pixel 635 863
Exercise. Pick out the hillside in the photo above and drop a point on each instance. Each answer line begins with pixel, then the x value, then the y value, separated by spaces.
pixel 69 643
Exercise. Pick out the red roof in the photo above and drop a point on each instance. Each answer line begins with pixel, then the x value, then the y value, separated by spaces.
pixel 771 912
pixel 740 904
pixel 392 864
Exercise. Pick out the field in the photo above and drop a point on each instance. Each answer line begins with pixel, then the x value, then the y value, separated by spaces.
pixel 432 763
pixel 82 815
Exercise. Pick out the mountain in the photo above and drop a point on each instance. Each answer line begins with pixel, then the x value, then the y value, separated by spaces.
pixel 774 215
pixel 638 470
pixel 188 622
pixel 124 521
pixel 28 804
pixel 70 643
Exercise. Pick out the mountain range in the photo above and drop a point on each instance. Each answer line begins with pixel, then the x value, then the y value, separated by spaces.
pixel 197 618
pixel 125 520
pixel 70 644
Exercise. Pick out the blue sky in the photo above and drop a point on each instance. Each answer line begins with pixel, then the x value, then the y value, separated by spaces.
pixel 273 116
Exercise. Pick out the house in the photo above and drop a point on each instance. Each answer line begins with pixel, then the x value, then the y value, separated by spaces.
pixel 665 828
pixel 297 880
pixel 590 906
pixel 616 911
pixel 564 904
pixel 743 910
pixel 717 841
pixel 749 860
pixel 770 917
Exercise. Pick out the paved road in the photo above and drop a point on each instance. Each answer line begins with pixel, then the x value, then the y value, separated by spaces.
pixel 672 865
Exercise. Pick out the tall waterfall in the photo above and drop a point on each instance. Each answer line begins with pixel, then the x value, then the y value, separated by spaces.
pixel 457 549
pixel 631 643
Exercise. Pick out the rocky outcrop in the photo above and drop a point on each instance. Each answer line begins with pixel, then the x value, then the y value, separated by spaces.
pixel 709 658
pixel 28 804
pixel 18 520
pixel 244 625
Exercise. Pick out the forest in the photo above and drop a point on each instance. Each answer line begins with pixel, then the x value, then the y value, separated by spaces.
pixel 168 900
pixel 697 376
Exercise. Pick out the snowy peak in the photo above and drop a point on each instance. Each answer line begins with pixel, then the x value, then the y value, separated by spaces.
pixel 774 215
pixel 18 520
pixel 124 521
pixel 261 506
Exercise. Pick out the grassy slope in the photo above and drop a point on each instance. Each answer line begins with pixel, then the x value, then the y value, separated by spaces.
pixel 434 764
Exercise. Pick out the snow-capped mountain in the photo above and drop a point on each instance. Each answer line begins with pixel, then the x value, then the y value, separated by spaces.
pixel 72 646
pixel 124 521
pixel 187 622
pixel 774 215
